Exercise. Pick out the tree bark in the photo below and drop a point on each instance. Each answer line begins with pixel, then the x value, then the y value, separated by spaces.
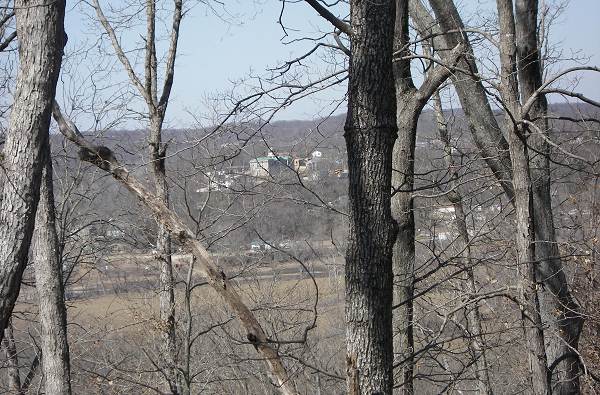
pixel 163 247
pixel 157 152
pixel 407 114
pixel 523 202
pixel 370 131
pixel 559 311
pixel 41 34
pixel 49 285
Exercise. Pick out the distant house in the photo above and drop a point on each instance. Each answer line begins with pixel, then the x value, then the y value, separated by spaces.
pixel 317 154
pixel 266 166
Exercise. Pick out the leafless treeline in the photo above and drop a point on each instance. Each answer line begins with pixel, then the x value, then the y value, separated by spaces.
pixel 423 249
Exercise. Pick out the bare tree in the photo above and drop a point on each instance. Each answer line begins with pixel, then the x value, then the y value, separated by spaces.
pixel 523 201
pixel 156 112
pixel 558 308
pixel 50 288
pixel 555 294
pixel 104 158
pixel 41 35
pixel 410 102
pixel 478 347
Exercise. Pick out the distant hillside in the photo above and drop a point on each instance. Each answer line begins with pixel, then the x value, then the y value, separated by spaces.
pixel 297 135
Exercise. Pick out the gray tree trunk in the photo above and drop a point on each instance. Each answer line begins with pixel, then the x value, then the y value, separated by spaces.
pixel 157 150
pixel 407 114
pixel 560 312
pixel 49 285
pixel 41 35
pixel 409 105
pixel 538 363
pixel 370 131
pixel 523 202
pixel 163 246
pixel 157 107
pixel 476 343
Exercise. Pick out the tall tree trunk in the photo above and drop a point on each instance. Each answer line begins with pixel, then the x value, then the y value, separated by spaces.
pixel 560 311
pixel 41 34
pixel 404 250
pixel 523 202
pixel 407 115
pixel 49 285
pixel 476 342
pixel 157 109
pixel 370 131
pixel 409 105
pixel 538 363
pixel 157 153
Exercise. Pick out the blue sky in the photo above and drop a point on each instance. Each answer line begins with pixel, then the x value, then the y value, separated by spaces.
pixel 216 50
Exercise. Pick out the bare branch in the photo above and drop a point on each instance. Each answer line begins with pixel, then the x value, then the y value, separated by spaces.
pixel 334 20
pixel 439 75
pixel 542 89
pixel 215 276
pixel 572 94
pixel 8 40
pixel 120 54
pixel 170 68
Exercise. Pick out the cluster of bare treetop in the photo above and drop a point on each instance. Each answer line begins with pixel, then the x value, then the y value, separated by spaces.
pixel 379 46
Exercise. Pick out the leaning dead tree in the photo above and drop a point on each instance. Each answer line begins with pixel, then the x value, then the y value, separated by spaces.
pixel 42 38
pixel 104 158
pixel 156 104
